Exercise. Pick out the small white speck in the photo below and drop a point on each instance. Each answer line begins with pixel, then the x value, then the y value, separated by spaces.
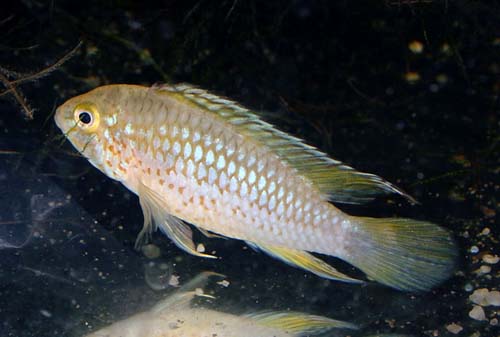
pixel 198 153
pixel 224 283
pixel 163 130
pixel 251 177
pixel 212 175
pixel 263 199
pixel 179 165
pixel 202 172
pixel 233 184
pixel 221 162
pixel 187 150
pixel 129 129
pixel 46 313
pixel 210 158
pixel 166 145
pixel 253 194
pixel 241 173
pixel 251 160
pixel 272 202
pixel 111 120
pixel 190 168
pixel 243 189
pixel 222 180
pixel 177 148
pixel 231 168
pixel 272 187
pixel 156 142
pixel 262 182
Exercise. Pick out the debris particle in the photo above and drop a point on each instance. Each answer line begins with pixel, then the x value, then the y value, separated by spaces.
pixel 416 47
pixel 494 322
pixel 485 231
pixel 174 281
pixel 477 313
pixel 474 249
pixel 454 328
pixel 200 248
pixel 412 76
pixel 224 283
pixel 46 313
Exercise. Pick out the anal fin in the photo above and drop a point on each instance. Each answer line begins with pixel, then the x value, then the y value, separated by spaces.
pixel 304 260
pixel 299 324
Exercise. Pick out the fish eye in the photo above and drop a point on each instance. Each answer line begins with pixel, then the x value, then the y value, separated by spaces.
pixel 85 117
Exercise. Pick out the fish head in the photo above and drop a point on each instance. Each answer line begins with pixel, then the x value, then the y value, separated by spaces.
pixel 89 121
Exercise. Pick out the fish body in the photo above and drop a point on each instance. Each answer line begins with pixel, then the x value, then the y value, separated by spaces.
pixel 189 322
pixel 176 317
pixel 195 157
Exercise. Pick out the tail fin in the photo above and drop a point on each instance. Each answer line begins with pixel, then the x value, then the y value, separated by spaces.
pixel 404 254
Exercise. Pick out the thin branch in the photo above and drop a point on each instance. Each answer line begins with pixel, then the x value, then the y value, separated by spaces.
pixel 17 95
pixel 11 85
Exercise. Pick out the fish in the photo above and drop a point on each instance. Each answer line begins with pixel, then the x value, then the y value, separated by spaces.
pixel 175 316
pixel 193 157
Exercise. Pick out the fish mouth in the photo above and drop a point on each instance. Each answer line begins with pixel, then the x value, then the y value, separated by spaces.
pixel 59 119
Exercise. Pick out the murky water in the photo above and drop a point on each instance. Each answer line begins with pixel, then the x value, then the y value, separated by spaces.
pixel 406 90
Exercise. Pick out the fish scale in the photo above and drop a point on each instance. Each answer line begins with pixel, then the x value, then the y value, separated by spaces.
pixel 192 156
pixel 222 189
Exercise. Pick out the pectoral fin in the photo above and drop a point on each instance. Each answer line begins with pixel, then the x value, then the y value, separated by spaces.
pixel 304 260
pixel 156 215
pixel 299 324
pixel 181 235
pixel 181 298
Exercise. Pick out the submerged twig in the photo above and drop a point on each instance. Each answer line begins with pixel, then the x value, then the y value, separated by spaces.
pixel 11 85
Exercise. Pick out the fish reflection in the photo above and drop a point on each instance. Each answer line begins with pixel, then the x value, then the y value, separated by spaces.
pixel 176 317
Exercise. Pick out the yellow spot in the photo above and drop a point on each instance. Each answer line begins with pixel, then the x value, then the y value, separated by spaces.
pixel 441 78
pixel 416 47
pixel 412 77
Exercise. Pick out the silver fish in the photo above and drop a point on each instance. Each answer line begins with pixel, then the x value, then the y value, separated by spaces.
pixel 196 157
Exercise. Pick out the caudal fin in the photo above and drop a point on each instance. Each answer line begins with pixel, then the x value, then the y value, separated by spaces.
pixel 404 254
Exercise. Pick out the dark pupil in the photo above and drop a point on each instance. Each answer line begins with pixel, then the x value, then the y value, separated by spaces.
pixel 85 117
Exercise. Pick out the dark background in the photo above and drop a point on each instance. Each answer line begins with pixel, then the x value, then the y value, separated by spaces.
pixel 341 75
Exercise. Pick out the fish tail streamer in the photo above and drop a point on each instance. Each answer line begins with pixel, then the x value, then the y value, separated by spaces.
pixel 405 254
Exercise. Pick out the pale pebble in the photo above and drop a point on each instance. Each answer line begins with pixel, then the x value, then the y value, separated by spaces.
pixel 454 328
pixel 491 259
pixel 477 313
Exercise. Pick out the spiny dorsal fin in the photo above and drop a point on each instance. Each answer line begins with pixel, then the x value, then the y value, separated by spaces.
pixel 335 180
pixel 297 323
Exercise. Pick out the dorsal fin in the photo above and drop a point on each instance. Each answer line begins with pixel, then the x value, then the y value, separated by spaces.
pixel 335 180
